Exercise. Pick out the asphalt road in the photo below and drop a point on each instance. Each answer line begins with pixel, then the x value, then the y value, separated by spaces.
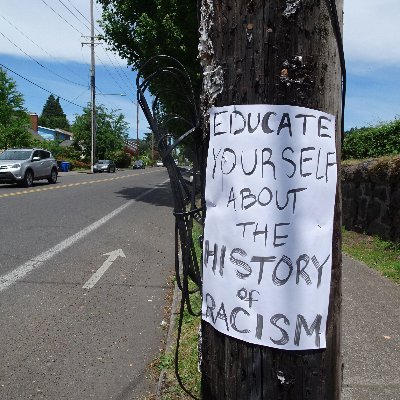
pixel 67 333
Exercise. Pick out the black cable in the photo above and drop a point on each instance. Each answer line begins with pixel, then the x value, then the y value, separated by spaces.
pixel 333 14
pixel 184 194
pixel 112 77
pixel 87 27
pixel 40 87
pixel 38 46
pixel 39 63
pixel 55 12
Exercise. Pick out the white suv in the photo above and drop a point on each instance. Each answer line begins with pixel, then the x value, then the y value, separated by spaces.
pixel 26 165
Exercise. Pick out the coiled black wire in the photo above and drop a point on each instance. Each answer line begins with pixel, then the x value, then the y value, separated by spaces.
pixel 185 193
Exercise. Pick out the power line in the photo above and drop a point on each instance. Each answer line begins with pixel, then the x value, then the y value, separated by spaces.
pixel 100 12
pixel 69 1
pixel 73 14
pixel 109 102
pixel 115 58
pixel 40 87
pixel 83 34
pixel 73 27
pixel 123 71
pixel 77 30
pixel 105 50
pixel 111 61
pixel 37 45
pixel 112 77
pixel 38 62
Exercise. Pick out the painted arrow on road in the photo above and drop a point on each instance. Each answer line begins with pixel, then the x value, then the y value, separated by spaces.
pixel 112 256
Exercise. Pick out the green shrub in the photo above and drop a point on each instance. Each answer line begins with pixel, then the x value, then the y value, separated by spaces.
pixel 373 141
pixel 121 159
pixel 147 160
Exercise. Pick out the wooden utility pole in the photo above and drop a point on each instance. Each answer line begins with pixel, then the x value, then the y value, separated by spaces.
pixel 275 52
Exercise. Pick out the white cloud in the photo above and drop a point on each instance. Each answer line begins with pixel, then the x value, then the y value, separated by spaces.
pixel 372 31
pixel 59 35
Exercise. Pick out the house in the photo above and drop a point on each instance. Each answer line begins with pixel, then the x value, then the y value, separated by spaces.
pixel 54 134
pixel 49 133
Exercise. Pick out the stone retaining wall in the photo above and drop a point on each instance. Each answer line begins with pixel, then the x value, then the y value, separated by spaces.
pixel 371 197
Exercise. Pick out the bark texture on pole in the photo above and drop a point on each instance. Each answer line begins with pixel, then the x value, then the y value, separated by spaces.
pixel 275 52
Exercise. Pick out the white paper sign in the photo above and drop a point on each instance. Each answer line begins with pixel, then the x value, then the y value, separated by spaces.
pixel 267 252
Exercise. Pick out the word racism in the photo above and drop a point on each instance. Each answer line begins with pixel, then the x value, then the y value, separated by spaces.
pixel 270 194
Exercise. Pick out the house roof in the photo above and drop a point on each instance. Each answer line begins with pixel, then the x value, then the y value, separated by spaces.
pixel 64 132
pixel 35 134
pixel 66 143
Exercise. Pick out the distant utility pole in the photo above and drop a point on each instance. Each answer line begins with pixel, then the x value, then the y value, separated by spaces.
pixel 152 147
pixel 92 89
pixel 137 130
pixel 271 52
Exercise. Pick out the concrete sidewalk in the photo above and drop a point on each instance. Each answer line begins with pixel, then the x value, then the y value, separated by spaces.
pixel 371 334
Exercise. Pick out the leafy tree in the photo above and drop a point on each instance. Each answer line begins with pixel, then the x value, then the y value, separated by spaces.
pixel 146 143
pixel 111 132
pixel 53 115
pixel 14 121
pixel 140 29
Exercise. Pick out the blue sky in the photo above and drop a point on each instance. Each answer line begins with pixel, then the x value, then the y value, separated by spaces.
pixel 371 43
pixel 49 32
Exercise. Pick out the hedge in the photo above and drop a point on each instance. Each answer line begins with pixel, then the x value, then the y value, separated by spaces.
pixel 373 141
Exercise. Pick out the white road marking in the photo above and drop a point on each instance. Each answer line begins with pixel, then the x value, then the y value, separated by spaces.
pixel 113 255
pixel 20 272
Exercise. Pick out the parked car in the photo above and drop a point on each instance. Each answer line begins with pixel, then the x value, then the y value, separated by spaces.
pixel 159 163
pixel 104 166
pixel 139 164
pixel 24 166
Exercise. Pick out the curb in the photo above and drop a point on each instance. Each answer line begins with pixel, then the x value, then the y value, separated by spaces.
pixel 170 339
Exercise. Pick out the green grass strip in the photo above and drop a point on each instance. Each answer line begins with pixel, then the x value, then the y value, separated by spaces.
pixel 381 255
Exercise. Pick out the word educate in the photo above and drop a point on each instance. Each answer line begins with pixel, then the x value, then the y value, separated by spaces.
pixel 238 122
